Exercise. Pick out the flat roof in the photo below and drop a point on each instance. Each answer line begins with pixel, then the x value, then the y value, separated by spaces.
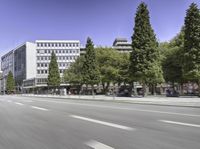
pixel 58 41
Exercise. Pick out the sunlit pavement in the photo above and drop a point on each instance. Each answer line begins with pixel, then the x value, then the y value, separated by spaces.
pixel 51 123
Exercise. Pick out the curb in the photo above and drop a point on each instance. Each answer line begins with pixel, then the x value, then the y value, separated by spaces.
pixel 117 101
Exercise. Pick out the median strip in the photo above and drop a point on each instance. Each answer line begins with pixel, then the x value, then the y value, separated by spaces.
pixel 102 122
pixel 180 123
pixel 39 108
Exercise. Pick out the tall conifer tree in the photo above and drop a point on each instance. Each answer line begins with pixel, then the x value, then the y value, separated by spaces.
pixel 91 75
pixel 145 63
pixel 54 75
pixel 191 61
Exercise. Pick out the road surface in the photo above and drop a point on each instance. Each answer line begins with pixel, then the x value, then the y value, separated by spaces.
pixel 46 123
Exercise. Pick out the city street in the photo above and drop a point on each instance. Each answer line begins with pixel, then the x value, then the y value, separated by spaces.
pixel 47 123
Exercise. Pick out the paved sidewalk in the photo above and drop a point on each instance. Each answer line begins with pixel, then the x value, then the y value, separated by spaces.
pixel 157 100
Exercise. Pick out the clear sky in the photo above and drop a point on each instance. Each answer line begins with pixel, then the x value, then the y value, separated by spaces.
pixel 102 20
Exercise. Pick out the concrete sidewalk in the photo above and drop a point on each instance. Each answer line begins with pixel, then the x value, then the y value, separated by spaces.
pixel 155 100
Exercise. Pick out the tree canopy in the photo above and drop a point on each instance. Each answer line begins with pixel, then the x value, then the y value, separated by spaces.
pixel 10 83
pixel 54 75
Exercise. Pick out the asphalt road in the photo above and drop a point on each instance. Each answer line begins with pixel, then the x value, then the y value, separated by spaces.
pixel 42 123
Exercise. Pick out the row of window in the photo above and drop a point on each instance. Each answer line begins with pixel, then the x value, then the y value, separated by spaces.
pixel 57 44
pixel 57 51
pixel 46 71
pixel 47 64
pixel 58 58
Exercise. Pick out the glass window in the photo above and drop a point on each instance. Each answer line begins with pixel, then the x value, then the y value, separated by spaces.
pixel 38 72
pixel 46 71
pixel 38 65
pixel 41 58
pixel 42 71
pixel 42 65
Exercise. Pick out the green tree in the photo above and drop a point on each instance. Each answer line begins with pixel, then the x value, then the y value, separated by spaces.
pixel 145 64
pixel 54 75
pixel 10 83
pixel 191 59
pixel 172 58
pixel 107 61
pixel 91 75
pixel 74 74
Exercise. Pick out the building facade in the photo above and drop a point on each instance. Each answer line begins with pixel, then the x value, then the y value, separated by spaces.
pixel 29 62
pixel 122 45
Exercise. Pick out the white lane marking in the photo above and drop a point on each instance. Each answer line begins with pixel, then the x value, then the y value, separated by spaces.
pixel 27 100
pixel 180 123
pixel 102 122
pixel 18 103
pixel 118 108
pixel 39 108
pixel 97 145
pixel 9 101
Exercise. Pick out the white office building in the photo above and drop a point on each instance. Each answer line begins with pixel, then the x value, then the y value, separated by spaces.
pixel 29 62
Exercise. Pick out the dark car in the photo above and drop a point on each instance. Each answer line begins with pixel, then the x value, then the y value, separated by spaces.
pixel 172 93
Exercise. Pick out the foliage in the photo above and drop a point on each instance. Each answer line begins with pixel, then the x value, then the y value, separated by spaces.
pixel 10 83
pixel 73 75
pixel 191 59
pixel 172 58
pixel 145 57
pixel 91 73
pixel 113 66
pixel 54 75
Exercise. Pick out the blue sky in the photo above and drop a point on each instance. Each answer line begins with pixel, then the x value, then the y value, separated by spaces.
pixel 102 20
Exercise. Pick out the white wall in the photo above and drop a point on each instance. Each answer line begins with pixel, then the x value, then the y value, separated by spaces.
pixel 30 60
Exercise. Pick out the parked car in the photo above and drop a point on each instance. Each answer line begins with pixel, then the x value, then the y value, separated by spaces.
pixel 172 93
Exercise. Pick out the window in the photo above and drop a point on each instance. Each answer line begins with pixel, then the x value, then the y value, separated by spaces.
pixel 41 58
pixel 45 58
pixel 45 65
pixel 42 65
pixel 70 51
pixel 42 71
pixel 45 71
pixel 38 65
pixel 38 72
pixel 45 51
pixel 38 51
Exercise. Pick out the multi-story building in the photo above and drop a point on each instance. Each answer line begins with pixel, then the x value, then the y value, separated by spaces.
pixel 1 89
pixel 122 45
pixel 30 61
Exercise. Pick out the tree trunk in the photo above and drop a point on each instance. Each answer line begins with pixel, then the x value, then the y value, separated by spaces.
pixel 199 87
pixel 107 86
pixel 144 89
pixel 93 90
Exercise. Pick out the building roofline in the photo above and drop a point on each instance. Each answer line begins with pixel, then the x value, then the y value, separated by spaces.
pixel 58 41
